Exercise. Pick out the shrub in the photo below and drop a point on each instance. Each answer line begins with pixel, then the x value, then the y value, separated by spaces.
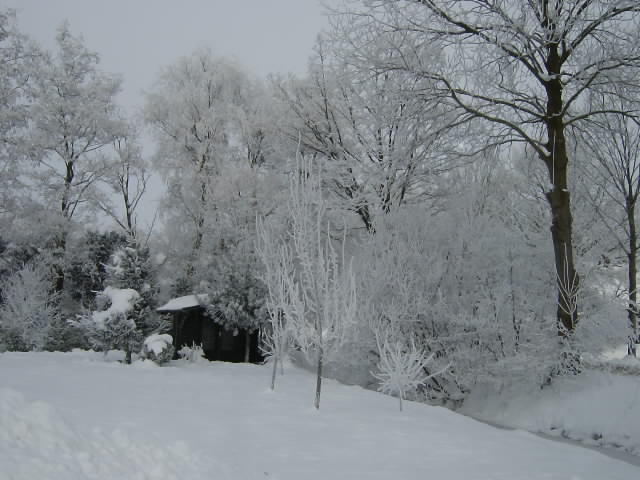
pixel 158 348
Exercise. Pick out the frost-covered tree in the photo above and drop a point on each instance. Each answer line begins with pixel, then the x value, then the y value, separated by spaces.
pixel 126 180
pixel 278 268
pixel 72 117
pixel 14 256
pixel 382 143
pixel 192 109
pixel 28 309
pixel 612 146
pixel 524 68
pixel 320 301
pixel 229 269
pixel 14 71
pixel 17 56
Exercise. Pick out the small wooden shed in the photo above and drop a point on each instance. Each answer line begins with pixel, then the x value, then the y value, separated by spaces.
pixel 190 324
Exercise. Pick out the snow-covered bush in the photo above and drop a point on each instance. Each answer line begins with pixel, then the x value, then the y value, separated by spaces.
pixel 400 370
pixel 28 309
pixel 403 367
pixel 158 348
pixel 192 354
pixel 112 326
pixel 464 288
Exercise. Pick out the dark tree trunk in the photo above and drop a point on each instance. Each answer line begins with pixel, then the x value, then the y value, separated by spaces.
pixel 276 359
pixel 190 267
pixel 632 271
pixel 319 376
pixel 247 346
pixel 557 162
pixel 566 275
pixel 67 212
pixel 58 268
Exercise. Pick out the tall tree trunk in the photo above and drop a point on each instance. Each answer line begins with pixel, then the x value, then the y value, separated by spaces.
pixel 632 271
pixel 190 267
pixel 276 358
pixel 247 346
pixel 557 162
pixel 319 376
pixel 566 275
pixel 67 212
pixel 60 246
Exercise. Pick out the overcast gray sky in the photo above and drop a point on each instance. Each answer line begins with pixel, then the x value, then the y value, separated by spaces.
pixel 137 37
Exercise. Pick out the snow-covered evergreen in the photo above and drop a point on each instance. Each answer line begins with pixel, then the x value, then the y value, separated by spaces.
pixel 130 267
pixel 113 324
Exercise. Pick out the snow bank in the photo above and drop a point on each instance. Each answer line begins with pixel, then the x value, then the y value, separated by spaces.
pixel 595 407
pixel 36 442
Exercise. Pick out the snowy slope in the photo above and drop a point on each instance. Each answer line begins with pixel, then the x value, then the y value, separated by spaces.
pixel 74 416
pixel 595 407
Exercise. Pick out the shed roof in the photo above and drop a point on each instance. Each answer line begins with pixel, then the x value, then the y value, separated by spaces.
pixel 183 303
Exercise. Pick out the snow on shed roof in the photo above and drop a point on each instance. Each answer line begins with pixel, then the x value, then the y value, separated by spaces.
pixel 181 303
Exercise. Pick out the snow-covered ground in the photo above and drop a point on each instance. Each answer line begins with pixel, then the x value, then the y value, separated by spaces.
pixel 599 407
pixel 75 416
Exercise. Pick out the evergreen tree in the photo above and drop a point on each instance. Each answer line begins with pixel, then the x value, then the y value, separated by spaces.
pixel 113 324
pixel 130 267
pixel 237 298
pixel 87 270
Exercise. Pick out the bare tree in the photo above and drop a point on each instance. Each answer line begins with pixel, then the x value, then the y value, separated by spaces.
pixel 612 143
pixel 381 143
pixel 278 267
pixel 310 282
pixel 524 67
pixel 127 179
